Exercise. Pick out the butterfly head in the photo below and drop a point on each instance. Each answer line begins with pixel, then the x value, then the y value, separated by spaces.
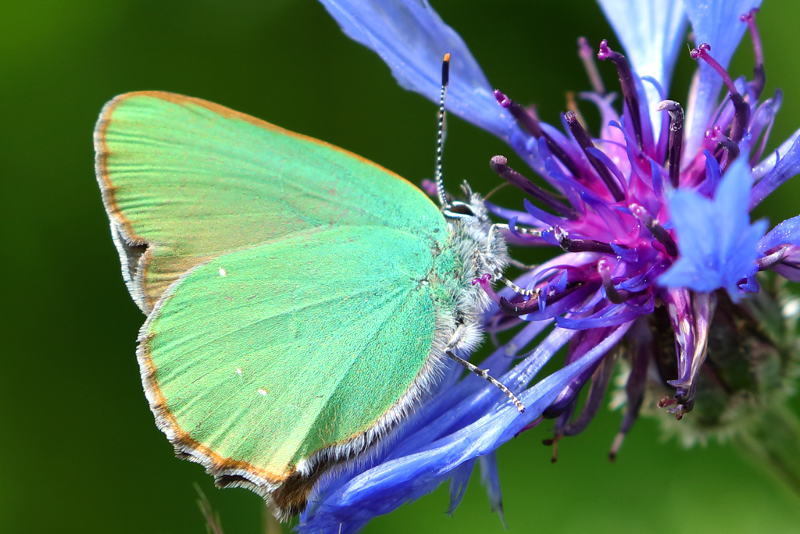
pixel 483 245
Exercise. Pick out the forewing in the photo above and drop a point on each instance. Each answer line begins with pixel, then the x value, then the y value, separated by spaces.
pixel 185 180
pixel 259 358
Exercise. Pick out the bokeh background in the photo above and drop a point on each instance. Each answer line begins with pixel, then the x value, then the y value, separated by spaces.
pixel 79 451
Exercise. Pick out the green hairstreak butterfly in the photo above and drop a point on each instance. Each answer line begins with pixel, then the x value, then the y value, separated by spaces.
pixel 299 299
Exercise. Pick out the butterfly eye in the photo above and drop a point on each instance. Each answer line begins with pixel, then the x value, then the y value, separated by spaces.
pixel 458 210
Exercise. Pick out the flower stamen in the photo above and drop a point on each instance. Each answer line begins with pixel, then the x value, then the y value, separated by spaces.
pixel 715 138
pixel 585 142
pixel 627 83
pixel 759 74
pixel 499 165
pixel 614 295
pixel 570 244
pixel 675 140
pixel 529 122
pixel 524 118
pixel 542 298
pixel 586 54
pixel 741 109
pixel 658 231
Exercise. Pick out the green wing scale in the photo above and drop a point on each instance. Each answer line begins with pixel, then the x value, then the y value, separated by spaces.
pixel 298 296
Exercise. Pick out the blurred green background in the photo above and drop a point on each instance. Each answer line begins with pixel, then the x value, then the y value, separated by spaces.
pixel 79 450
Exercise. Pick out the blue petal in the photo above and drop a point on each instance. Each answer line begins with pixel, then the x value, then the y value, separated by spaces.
pixel 491 481
pixel 411 38
pixel 458 484
pixel 786 233
pixel 776 169
pixel 610 316
pixel 468 400
pixel 718 245
pixel 464 402
pixel 384 487
pixel 717 23
pixel 651 32
pixel 713 175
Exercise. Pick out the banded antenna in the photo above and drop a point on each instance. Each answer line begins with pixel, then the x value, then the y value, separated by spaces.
pixel 440 133
pixel 464 210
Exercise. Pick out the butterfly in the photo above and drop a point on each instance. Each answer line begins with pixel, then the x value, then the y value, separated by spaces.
pixel 300 299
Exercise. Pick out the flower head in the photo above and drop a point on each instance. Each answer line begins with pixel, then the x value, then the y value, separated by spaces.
pixel 651 215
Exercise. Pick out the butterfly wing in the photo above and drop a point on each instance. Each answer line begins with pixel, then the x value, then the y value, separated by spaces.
pixel 295 288
pixel 185 180
pixel 260 358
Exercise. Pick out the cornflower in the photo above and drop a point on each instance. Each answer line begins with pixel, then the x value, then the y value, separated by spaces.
pixel 660 267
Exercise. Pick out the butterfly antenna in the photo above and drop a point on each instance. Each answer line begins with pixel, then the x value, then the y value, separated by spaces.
pixel 440 133
pixel 484 373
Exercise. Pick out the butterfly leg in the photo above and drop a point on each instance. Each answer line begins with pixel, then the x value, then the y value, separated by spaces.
pixel 518 229
pixel 520 265
pixel 499 275
pixel 524 230
pixel 484 373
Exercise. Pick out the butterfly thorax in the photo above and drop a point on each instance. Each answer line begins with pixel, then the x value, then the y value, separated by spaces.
pixel 474 249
